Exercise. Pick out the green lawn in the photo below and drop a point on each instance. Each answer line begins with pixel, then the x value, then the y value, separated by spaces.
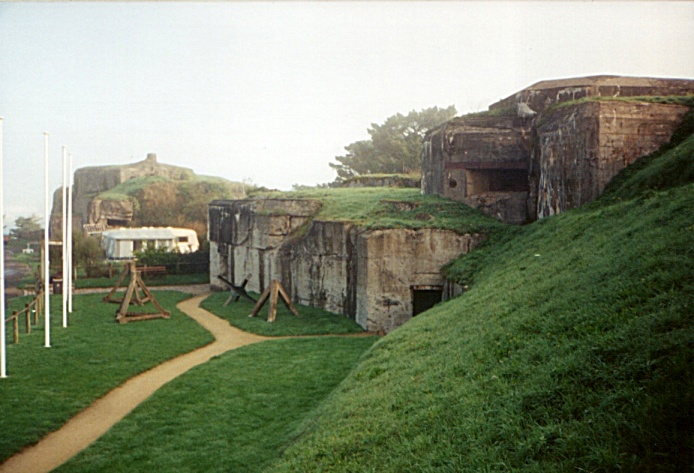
pixel 235 413
pixel 47 386
pixel 311 321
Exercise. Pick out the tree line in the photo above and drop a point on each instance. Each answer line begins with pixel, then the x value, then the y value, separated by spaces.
pixel 394 147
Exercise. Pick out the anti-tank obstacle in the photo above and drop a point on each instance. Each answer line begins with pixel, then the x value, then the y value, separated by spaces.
pixel 273 292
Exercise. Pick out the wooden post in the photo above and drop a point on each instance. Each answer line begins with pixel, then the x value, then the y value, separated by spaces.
pixel 15 326
pixel 28 317
pixel 38 308
pixel 109 296
pixel 287 300
pixel 261 301
pixel 274 293
pixel 122 311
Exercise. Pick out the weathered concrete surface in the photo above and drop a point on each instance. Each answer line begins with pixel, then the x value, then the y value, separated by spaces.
pixel 509 207
pixel 367 275
pixel 460 155
pixel 319 268
pixel 558 157
pixel 581 147
pixel 248 235
pixel 545 93
pixel 107 211
pixel 392 263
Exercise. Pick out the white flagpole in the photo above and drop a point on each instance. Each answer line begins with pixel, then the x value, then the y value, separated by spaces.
pixel 46 248
pixel 69 235
pixel 3 354
pixel 63 236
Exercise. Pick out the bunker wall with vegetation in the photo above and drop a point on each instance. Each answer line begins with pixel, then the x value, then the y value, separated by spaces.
pixel 381 277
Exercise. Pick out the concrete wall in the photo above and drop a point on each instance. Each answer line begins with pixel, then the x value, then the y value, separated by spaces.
pixel 248 235
pixel 319 267
pixel 508 207
pixel 565 157
pixel 391 263
pixel 482 161
pixel 544 94
pixel 581 147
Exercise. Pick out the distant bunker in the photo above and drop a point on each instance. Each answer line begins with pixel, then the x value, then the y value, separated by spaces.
pixel 552 146
pixel 380 278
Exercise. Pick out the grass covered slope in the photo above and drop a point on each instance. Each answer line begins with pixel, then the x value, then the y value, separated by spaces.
pixel 571 351
pixel 385 207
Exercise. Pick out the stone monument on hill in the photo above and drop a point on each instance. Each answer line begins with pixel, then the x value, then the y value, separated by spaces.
pixel 96 209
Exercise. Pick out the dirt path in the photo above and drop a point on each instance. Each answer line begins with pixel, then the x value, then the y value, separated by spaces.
pixel 87 426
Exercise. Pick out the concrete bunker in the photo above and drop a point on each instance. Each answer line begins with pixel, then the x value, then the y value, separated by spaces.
pixel 482 161
pixel 529 157
pixel 380 278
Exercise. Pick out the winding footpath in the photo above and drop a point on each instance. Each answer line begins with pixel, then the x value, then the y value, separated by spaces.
pixel 87 426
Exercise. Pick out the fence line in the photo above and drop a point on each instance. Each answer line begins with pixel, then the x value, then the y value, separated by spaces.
pixel 35 304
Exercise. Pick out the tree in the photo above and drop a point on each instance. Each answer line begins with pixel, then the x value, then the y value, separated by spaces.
pixel 181 204
pixel 394 147
pixel 27 228
pixel 87 252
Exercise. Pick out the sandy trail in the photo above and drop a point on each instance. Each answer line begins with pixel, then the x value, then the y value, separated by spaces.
pixel 87 426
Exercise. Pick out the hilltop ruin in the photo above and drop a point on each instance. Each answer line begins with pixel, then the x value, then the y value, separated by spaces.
pixel 100 202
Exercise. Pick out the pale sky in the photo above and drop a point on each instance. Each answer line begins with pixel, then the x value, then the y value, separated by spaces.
pixel 272 92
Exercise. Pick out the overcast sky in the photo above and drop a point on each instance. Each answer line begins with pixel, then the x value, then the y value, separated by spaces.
pixel 272 92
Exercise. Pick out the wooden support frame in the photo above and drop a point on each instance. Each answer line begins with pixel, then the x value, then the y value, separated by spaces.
pixel 138 290
pixel 274 291
pixel 110 296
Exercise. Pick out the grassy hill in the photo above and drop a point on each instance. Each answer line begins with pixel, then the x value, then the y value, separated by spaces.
pixel 159 201
pixel 571 351
pixel 386 207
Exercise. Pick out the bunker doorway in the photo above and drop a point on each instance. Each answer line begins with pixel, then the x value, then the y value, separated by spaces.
pixel 425 297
